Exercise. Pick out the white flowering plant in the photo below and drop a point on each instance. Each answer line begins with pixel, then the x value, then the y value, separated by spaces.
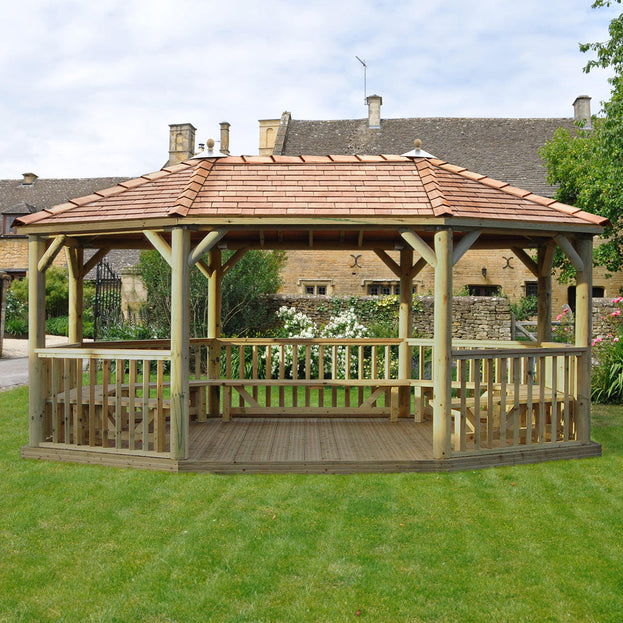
pixel 295 324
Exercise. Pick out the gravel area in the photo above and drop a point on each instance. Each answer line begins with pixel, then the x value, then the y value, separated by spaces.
pixel 13 349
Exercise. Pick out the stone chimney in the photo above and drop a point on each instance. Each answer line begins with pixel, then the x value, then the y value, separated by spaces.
pixel 28 179
pixel 374 110
pixel 582 111
pixel 225 137
pixel 181 142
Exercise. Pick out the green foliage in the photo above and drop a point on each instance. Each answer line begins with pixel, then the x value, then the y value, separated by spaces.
pixel 525 308
pixel 56 291
pixel 588 164
pixel 16 318
pixel 15 326
pixel 243 287
pixel 607 377
pixel 59 325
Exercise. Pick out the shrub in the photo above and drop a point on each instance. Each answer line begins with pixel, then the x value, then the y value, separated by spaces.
pixel 15 326
pixel 57 326
pixel 16 318
pixel 525 308
pixel 607 378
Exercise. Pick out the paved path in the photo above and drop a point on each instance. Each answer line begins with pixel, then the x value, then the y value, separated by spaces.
pixel 14 361
pixel 13 372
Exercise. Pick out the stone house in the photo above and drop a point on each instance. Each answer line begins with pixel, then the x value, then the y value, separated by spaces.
pixel 501 148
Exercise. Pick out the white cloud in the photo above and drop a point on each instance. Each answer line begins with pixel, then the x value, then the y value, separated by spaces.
pixel 89 89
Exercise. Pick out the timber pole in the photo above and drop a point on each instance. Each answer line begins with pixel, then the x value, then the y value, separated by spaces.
pixel 36 339
pixel 583 336
pixel 545 256
pixel 75 261
pixel 442 349
pixel 180 337
pixel 405 328
pixel 214 327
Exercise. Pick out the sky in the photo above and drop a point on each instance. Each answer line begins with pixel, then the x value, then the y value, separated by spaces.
pixel 88 89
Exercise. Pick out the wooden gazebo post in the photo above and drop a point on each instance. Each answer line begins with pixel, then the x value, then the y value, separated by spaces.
pixel 214 327
pixel 405 325
pixel 583 336
pixel 545 256
pixel 75 261
pixel 180 338
pixel 442 349
pixel 36 339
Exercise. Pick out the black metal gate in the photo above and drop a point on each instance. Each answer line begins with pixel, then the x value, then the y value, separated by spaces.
pixel 107 306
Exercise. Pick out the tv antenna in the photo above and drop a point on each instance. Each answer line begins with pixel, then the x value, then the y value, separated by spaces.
pixel 365 69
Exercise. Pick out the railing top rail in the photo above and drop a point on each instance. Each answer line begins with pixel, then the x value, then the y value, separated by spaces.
pixel 497 353
pixel 365 341
pixel 102 353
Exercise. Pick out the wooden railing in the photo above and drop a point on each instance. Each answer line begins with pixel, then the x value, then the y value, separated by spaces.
pixel 108 396
pixel 116 395
pixel 518 395
pixel 320 377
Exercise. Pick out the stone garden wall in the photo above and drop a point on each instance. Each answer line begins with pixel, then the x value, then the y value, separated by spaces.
pixel 473 317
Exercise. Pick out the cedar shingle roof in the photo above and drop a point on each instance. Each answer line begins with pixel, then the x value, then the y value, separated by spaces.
pixel 277 188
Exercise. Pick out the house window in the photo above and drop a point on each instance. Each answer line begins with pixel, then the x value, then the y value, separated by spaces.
pixel 380 287
pixel 532 288
pixel 315 287
pixel 7 225
pixel 478 290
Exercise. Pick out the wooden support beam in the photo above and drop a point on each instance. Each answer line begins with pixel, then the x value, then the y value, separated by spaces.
pixel 95 259
pixel 418 266
pixel 75 261
pixel 160 244
pixel 233 260
pixel 565 244
pixel 545 258
pixel 405 327
pixel 214 328
pixel 36 339
pixel 465 244
pixel 442 350
pixel 360 238
pixel 180 339
pixel 419 245
pixel 388 261
pixel 209 240
pixel 204 269
pixel 526 260
pixel 583 337
pixel 50 255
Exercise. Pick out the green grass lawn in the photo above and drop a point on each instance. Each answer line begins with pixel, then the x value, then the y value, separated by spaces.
pixel 529 543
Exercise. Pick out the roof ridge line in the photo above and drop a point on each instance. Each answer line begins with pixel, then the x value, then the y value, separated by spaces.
pixel 432 188
pixel 187 197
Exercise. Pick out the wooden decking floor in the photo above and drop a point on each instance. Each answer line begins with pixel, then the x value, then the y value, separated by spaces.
pixel 307 445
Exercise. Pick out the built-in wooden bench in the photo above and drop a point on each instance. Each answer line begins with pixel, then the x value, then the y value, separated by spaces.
pixel 365 409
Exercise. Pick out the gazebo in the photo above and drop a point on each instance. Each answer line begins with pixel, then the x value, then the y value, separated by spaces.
pixel 225 404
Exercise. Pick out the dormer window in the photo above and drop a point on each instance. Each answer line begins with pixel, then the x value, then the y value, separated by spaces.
pixel 8 229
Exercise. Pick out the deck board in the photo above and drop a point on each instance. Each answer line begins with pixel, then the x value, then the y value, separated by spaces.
pixel 302 440
pixel 312 445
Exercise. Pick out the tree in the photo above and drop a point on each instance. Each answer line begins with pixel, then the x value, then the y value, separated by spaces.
pixel 255 275
pixel 587 165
